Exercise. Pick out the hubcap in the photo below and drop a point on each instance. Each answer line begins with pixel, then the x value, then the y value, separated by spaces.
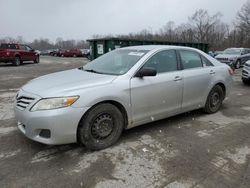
pixel 102 126
pixel 215 99
pixel 17 61
pixel 238 65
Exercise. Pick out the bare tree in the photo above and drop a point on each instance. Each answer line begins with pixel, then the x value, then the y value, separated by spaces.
pixel 167 32
pixel 243 23
pixel 203 24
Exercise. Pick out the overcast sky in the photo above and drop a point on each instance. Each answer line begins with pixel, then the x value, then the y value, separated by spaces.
pixel 81 19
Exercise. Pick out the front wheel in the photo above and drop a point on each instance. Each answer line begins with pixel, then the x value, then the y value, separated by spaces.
pixel 237 64
pixel 37 60
pixel 214 100
pixel 17 61
pixel 101 127
pixel 246 82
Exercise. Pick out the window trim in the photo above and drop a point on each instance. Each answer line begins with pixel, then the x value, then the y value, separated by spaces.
pixel 202 56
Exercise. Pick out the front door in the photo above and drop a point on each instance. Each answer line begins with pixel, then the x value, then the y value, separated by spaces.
pixel 160 96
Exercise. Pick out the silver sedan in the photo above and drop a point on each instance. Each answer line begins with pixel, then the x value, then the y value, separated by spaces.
pixel 122 89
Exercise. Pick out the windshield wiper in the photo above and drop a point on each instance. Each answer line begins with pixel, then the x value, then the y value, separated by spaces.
pixel 92 70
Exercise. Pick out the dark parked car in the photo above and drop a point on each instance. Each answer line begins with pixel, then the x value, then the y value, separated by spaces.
pixel 86 53
pixel 54 52
pixel 235 57
pixel 17 53
pixel 246 73
pixel 72 53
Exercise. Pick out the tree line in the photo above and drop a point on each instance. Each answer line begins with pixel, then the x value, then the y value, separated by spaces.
pixel 201 27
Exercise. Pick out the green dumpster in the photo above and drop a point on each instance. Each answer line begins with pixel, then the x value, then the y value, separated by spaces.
pixel 101 46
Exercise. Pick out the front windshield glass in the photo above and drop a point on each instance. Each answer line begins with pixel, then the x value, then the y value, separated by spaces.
pixel 232 51
pixel 117 62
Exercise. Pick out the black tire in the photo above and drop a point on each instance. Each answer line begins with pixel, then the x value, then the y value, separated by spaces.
pixel 37 60
pixel 74 55
pixel 214 100
pixel 246 82
pixel 17 61
pixel 237 64
pixel 101 127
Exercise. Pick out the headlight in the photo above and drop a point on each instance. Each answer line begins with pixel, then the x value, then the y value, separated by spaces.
pixel 53 103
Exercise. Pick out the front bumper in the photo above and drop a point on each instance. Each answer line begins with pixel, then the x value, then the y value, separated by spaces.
pixel 228 62
pixel 60 123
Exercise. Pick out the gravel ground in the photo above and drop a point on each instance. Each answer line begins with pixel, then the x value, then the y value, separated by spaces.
pixel 188 150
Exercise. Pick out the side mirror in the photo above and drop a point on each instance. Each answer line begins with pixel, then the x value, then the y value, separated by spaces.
pixel 146 71
pixel 32 50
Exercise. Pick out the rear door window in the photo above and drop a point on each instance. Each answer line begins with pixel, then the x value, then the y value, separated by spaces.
pixel 190 59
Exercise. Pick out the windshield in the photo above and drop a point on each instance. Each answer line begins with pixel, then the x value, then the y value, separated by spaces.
pixel 117 62
pixel 232 51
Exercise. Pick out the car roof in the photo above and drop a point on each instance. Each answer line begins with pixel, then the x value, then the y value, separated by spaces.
pixel 157 47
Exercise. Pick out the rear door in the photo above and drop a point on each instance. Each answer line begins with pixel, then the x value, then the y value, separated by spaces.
pixel 159 96
pixel 197 78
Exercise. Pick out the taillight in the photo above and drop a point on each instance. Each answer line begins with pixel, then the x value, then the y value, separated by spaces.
pixel 231 71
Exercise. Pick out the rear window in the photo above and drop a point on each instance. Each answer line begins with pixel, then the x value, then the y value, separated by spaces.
pixel 8 46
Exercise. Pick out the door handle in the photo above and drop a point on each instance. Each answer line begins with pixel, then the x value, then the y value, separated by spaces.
pixel 177 78
pixel 212 72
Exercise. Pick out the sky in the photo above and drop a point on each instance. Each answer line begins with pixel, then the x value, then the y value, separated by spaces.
pixel 81 19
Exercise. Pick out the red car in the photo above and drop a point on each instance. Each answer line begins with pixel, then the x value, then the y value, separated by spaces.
pixel 17 53
pixel 72 53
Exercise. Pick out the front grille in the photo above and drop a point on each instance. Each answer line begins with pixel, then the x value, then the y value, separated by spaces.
pixel 244 72
pixel 23 102
pixel 222 59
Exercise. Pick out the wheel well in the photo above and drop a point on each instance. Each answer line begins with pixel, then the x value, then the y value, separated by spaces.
pixel 223 88
pixel 120 107
pixel 116 104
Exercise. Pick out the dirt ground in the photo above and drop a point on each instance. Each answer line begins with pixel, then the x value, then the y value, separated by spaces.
pixel 188 150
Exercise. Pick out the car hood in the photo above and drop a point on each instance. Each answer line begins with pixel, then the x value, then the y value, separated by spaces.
pixel 227 56
pixel 65 82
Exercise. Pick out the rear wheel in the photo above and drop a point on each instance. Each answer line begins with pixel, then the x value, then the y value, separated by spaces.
pixel 246 82
pixel 214 100
pixel 17 61
pixel 101 127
